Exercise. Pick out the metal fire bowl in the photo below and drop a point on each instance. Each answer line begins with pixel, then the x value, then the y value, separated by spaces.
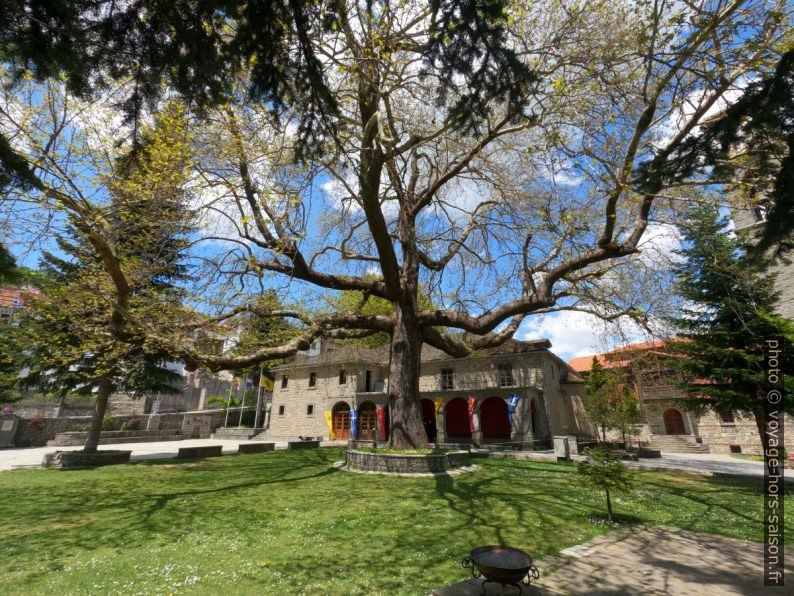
pixel 501 564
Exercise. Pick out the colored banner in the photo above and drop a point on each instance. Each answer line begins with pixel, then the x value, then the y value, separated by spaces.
pixel 439 403
pixel 472 406
pixel 265 383
pixel 381 415
pixel 329 418
pixel 512 404
pixel 353 424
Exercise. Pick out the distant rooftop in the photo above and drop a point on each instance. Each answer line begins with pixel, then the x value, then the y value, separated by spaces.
pixel 618 358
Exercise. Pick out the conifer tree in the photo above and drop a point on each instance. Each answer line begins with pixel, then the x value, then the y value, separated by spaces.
pixel 69 346
pixel 595 399
pixel 729 317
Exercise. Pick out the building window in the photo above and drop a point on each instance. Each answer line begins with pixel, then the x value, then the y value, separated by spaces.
pixel 447 379
pixel 505 374
pixel 760 212
pixel 284 381
pixel 726 417
pixel 313 379
pixel 281 410
pixel 342 377
pixel 310 410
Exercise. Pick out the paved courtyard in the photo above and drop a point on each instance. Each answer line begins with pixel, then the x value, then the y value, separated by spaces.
pixel 651 561
pixel 704 463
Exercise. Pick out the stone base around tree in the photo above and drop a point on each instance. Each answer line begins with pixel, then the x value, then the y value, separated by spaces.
pixel 399 464
pixel 68 460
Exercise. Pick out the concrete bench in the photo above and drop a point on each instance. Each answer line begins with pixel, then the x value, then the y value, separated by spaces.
pixel 255 447
pixel 202 451
pixel 303 444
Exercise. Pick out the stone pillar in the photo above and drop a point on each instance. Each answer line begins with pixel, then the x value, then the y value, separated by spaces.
pixel 441 427
pixel 202 396
pixel 476 435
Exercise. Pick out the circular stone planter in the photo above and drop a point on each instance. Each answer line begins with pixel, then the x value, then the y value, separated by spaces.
pixel 66 460
pixel 394 463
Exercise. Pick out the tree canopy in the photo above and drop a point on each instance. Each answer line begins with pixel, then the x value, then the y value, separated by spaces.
pixel 533 208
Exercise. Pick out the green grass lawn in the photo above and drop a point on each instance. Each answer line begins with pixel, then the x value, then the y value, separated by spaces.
pixel 289 523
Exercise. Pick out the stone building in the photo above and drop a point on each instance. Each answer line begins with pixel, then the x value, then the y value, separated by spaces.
pixel 669 427
pixel 519 392
pixel 748 223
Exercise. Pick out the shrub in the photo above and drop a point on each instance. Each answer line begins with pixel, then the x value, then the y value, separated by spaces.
pixel 108 422
pixel 605 471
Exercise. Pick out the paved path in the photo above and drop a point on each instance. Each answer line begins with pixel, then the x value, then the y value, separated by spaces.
pixel 33 456
pixel 650 561
pixel 704 463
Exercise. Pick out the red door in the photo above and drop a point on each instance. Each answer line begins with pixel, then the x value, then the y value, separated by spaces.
pixel 367 422
pixel 494 420
pixel 456 417
pixel 674 422
pixel 341 422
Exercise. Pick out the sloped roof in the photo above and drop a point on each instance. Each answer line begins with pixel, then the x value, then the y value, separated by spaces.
pixel 9 294
pixel 349 354
pixel 341 354
pixel 511 346
pixel 618 358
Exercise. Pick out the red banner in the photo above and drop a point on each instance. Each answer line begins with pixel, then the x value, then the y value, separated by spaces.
pixel 380 413
pixel 472 407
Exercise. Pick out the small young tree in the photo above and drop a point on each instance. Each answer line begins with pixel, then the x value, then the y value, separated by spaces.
pixel 627 411
pixel 605 471
pixel 595 399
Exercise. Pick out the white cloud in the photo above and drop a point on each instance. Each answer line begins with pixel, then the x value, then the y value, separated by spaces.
pixel 574 333
pixel 658 245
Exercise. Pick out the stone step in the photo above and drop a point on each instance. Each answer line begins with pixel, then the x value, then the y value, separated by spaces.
pixel 240 434
pixel 77 440
pixel 677 444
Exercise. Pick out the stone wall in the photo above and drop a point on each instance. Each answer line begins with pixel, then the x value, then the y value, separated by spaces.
pixel 720 436
pixel 479 372
pixel 36 431
pixel 406 464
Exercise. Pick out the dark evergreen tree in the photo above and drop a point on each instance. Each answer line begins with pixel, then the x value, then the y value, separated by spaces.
pixel 595 399
pixel 8 267
pixel 730 314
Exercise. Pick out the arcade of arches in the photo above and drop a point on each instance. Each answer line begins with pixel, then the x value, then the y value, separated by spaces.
pixel 451 423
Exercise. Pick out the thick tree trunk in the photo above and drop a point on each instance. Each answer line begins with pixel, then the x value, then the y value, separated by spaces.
pixel 407 430
pixel 100 405
pixel 760 423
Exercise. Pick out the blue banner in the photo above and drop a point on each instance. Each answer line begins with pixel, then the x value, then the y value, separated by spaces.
pixel 512 403
pixel 353 424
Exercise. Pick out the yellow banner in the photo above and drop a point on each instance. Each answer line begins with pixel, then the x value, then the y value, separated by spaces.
pixel 266 383
pixel 330 421
pixel 439 402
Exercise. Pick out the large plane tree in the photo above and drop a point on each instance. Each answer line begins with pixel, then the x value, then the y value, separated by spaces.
pixel 516 200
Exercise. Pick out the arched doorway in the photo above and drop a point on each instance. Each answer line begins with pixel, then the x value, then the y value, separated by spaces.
pixel 456 417
pixel 494 419
pixel 429 419
pixel 674 422
pixel 340 421
pixel 367 422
